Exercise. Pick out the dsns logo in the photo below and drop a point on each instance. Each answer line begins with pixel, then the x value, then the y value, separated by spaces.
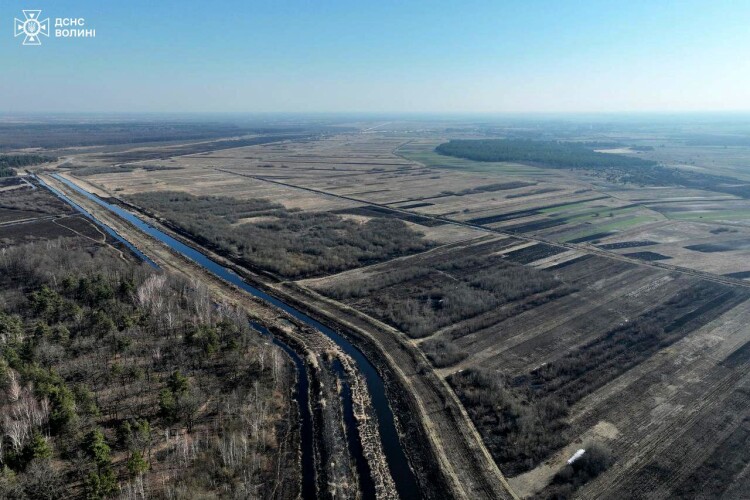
pixel 31 27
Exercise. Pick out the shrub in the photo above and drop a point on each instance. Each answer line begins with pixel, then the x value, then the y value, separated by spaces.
pixel 100 485
pixel 42 482
pixel 97 448
pixel 442 353
pixel 288 243
pixel 37 448
pixel 136 464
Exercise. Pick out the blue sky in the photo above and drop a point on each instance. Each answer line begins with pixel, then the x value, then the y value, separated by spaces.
pixel 382 56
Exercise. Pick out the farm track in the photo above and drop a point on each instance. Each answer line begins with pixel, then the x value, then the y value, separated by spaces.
pixel 571 246
pixel 34 219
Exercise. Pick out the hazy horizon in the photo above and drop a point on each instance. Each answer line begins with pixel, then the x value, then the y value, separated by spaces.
pixel 444 58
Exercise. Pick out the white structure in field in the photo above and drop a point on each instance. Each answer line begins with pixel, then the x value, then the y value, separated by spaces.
pixel 576 456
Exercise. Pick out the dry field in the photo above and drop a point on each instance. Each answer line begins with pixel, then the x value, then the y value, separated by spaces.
pixel 29 213
pixel 644 395
pixel 600 341
pixel 343 173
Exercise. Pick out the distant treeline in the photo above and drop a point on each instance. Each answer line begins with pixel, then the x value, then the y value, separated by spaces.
pixel 614 167
pixel 554 154
pixel 83 171
pixel 490 188
pixel 196 148
pixel 8 163
pixel 602 144
pixel 718 140
pixel 59 135
pixel 614 145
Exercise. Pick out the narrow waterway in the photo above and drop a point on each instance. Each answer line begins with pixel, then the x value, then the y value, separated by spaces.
pixel 403 476
pixel 303 403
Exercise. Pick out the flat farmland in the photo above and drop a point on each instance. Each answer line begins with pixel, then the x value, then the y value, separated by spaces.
pixel 721 159
pixel 342 173
pixel 720 249
pixel 698 230
pixel 684 227
pixel 562 308
pixel 597 352
pixel 49 228
pixel 207 181
pixel 30 213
